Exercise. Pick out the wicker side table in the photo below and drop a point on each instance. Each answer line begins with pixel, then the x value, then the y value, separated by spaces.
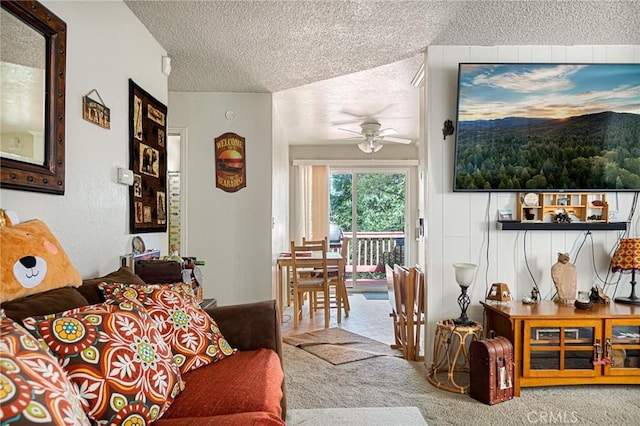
pixel 450 367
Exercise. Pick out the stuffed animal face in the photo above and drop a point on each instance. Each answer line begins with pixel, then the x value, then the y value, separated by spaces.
pixel 33 261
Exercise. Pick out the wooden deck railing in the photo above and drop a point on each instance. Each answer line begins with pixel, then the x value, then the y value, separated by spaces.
pixel 373 250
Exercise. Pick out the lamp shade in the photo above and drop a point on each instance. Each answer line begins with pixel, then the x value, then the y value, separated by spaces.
pixel 464 273
pixel 626 259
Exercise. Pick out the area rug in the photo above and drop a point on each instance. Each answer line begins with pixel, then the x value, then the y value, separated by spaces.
pixel 405 416
pixel 376 295
pixel 339 346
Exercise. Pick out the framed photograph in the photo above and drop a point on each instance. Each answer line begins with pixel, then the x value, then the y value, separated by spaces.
pixel 148 160
pixel 505 215
pixel 137 186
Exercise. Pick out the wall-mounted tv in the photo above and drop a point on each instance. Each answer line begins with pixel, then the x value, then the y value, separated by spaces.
pixel 548 127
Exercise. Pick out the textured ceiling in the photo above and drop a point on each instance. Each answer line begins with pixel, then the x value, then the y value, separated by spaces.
pixel 291 47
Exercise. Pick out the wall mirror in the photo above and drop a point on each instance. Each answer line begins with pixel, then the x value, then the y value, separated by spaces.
pixel 32 97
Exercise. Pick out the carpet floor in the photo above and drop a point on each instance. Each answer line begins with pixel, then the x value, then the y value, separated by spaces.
pixel 375 416
pixel 394 382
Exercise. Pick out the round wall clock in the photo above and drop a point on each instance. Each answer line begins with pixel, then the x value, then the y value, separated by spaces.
pixel 530 199
pixel 138 245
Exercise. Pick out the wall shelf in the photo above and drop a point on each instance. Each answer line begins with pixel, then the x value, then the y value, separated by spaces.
pixel 512 225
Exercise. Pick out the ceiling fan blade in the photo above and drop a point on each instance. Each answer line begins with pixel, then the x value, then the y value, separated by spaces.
pixel 387 131
pixel 343 122
pixel 396 140
pixel 351 131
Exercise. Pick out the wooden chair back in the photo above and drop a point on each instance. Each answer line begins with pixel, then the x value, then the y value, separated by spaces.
pixel 304 260
pixel 404 288
pixel 306 242
pixel 419 291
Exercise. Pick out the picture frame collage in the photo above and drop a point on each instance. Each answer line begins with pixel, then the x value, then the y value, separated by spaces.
pixel 148 160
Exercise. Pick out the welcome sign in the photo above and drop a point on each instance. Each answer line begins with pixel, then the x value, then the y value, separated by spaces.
pixel 231 171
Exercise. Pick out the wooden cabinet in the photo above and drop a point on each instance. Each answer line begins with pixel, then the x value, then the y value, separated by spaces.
pixel 580 206
pixel 622 345
pixel 567 349
pixel 559 345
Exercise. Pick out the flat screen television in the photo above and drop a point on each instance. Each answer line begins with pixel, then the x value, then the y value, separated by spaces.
pixel 547 127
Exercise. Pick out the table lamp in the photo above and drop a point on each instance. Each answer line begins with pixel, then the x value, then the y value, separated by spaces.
pixel 626 259
pixel 464 278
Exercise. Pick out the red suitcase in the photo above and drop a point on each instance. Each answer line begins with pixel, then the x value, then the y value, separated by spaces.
pixel 491 370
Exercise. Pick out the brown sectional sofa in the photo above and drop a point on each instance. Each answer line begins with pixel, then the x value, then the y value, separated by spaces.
pixel 247 388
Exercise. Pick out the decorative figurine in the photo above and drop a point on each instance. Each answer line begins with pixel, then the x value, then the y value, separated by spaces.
pixel 529 214
pixel 535 295
pixel 447 129
pixel 561 216
pixel 598 296
pixel 564 277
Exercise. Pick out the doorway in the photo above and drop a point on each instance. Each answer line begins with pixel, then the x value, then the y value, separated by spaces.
pixel 370 206
pixel 176 202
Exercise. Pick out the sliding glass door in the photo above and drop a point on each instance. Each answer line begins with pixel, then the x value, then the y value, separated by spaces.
pixel 370 207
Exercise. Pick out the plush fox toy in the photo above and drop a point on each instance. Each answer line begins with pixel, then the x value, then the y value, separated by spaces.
pixel 33 260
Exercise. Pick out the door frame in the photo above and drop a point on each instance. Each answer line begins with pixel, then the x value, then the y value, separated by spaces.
pixel 410 209
pixel 181 132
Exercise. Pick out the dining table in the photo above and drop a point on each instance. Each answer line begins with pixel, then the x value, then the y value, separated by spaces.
pixel 285 262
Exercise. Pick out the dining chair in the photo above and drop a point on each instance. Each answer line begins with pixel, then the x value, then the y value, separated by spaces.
pixel 391 292
pixel 403 311
pixel 305 242
pixel 339 288
pixel 305 259
pixel 334 277
pixel 419 308
pixel 313 297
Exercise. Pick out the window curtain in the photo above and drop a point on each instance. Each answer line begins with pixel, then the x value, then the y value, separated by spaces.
pixel 311 202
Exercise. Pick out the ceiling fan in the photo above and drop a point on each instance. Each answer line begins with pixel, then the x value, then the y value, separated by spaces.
pixel 373 136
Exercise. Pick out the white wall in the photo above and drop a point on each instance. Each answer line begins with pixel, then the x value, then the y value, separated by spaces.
pixel 231 232
pixel 457 228
pixel 280 194
pixel 92 219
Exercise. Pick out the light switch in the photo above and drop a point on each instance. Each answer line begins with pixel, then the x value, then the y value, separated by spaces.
pixel 125 176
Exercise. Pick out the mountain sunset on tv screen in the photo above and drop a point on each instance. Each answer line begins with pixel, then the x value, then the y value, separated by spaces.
pixel 548 127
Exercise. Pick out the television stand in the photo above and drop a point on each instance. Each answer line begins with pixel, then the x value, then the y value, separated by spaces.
pixel 557 344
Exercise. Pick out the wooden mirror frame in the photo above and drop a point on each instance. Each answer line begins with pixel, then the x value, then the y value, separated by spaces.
pixel 48 177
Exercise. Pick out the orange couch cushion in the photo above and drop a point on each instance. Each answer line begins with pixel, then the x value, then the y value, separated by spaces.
pixel 249 381
pixel 254 419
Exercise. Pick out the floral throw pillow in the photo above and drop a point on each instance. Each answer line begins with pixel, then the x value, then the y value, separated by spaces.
pixel 192 334
pixel 34 389
pixel 116 357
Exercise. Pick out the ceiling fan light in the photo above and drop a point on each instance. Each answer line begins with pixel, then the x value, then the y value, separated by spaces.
pixel 365 147
pixel 377 146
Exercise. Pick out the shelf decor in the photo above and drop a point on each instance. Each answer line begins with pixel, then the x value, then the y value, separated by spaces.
pixel 563 207
pixel 148 160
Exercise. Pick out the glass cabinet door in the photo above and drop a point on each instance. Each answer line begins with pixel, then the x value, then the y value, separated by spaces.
pixel 561 348
pixel 622 345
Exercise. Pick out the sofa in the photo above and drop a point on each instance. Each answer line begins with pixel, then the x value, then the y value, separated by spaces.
pixel 242 385
pixel 246 388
